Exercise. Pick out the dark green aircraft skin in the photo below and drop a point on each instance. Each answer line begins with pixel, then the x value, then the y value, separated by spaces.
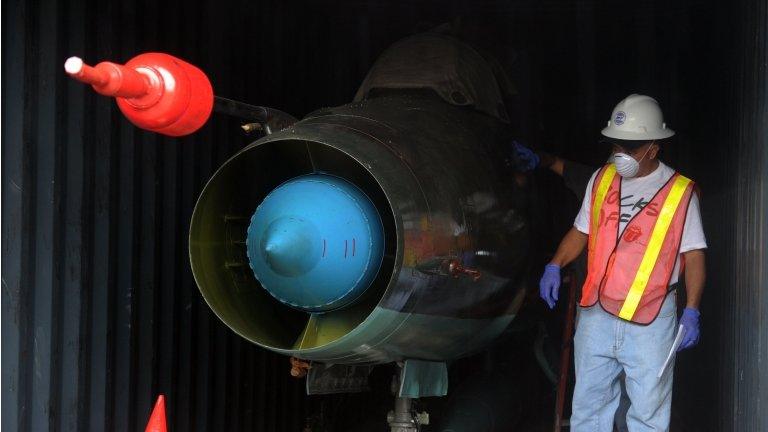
pixel 455 220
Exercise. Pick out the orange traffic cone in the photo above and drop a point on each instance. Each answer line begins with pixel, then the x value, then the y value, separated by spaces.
pixel 157 419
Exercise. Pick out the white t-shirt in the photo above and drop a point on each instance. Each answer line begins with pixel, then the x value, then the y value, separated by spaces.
pixel 636 193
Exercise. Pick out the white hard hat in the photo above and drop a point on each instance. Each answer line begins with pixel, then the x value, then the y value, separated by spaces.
pixel 637 118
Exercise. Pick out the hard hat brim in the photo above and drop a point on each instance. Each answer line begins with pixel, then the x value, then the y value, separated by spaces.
pixel 636 136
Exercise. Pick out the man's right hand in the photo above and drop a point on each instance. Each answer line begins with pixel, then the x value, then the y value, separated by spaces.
pixel 549 286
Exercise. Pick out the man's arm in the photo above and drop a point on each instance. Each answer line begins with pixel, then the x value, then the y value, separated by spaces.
pixel 695 275
pixel 570 247
pixel 554 163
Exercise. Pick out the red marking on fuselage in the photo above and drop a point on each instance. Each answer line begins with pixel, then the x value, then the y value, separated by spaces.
pixel 345 248
pixel 323 247
pixel 353 247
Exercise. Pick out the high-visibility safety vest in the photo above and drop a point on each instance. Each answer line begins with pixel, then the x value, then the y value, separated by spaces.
pixel 629 275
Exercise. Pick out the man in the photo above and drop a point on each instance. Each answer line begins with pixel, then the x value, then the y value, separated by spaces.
pixel 640 223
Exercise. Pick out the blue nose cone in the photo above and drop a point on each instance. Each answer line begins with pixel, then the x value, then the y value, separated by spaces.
pixel 315 243
pixel 290 246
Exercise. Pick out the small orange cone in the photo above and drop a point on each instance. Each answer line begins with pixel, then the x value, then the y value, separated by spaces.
pixel 157 419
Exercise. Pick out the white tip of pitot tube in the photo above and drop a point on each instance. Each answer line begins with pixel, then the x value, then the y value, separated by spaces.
pixel 73 65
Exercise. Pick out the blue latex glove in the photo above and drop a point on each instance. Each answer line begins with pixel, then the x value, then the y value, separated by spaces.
pixel 549 286
pixel 690 321
pixel 525 158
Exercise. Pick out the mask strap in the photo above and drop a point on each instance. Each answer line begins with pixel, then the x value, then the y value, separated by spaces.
pixel 647 150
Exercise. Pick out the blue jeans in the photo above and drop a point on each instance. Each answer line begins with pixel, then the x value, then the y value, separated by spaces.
pixel 604 346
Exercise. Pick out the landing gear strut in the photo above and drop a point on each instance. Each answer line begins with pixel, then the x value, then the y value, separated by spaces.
pixel 403 418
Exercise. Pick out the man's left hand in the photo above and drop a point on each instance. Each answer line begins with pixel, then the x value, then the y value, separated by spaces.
pixel 690 322
pixel 525 158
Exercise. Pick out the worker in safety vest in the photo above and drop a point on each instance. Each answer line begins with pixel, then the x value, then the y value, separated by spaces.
pixel 641 224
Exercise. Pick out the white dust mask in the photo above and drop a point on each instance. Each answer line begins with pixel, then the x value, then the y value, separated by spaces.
pixel 626 165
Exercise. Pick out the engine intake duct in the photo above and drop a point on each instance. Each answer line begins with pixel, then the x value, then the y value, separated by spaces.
pixel 289 244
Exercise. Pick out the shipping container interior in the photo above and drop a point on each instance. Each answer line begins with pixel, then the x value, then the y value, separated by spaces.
pixel 100 309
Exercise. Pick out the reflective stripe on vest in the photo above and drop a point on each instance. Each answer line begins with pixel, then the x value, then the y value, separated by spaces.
pixel 658 235
pixel 599 193
pixel 599 199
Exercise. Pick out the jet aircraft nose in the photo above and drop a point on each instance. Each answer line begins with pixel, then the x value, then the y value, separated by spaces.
pixel 315 242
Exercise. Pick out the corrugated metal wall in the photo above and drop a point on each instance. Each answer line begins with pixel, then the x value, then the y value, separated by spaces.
pixel 100 311
pixel 744 211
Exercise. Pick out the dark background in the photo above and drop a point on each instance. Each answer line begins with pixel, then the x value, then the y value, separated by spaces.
pixel 100 310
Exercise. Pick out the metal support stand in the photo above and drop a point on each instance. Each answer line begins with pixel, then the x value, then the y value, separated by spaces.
pixel 403 418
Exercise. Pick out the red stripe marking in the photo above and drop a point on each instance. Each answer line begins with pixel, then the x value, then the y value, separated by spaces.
pixel 323 247
pixel 353 247
pixel 345 248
